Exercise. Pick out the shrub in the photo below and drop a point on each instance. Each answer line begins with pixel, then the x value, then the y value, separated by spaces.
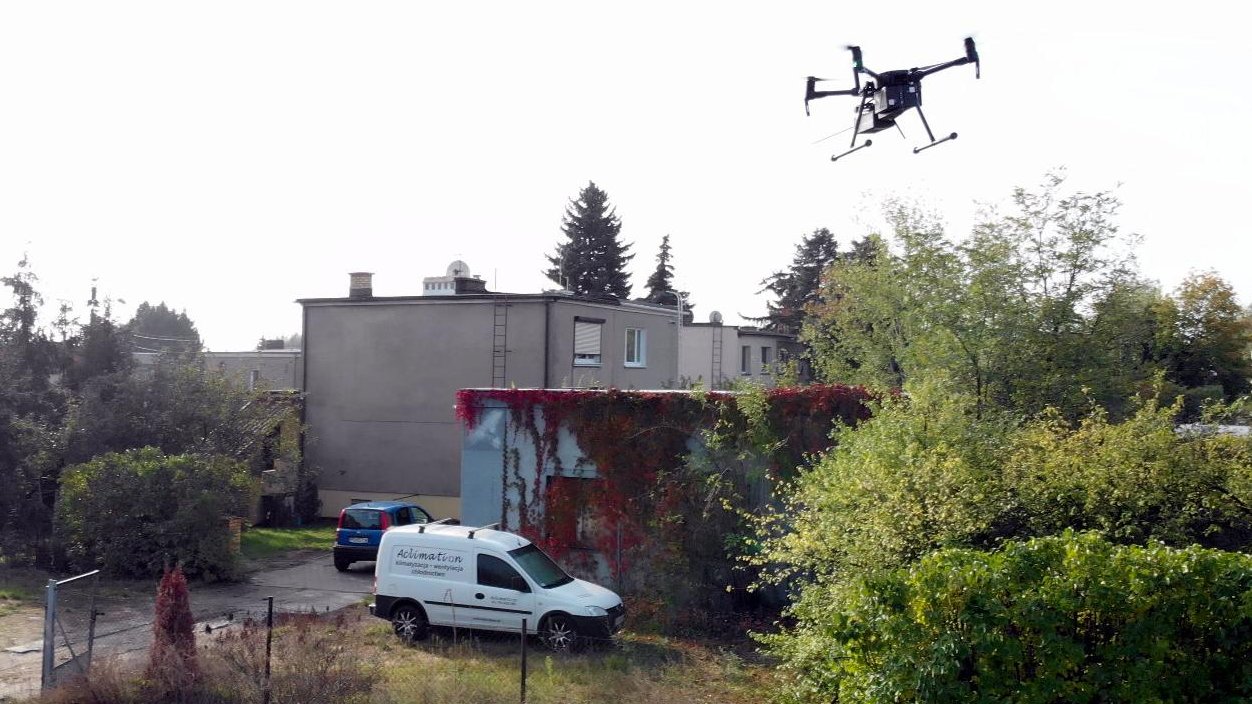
pixel 1070 618
pixel 134 512
pixel 1133 481
pixel 922 473
pixel 172 659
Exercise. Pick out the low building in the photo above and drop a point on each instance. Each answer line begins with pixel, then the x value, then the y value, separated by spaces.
pixel 715 356
pixel 270 369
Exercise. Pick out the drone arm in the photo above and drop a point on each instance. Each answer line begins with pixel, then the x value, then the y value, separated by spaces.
pixel 971 57
pixel 858 67
pixel 811 93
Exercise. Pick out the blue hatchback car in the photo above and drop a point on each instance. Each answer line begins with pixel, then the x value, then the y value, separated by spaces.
pixel 361 527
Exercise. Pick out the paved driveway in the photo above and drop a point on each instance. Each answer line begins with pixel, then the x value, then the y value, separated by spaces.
pixel 303 581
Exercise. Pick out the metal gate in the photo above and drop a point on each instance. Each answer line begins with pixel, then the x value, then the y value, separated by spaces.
pixel 69 628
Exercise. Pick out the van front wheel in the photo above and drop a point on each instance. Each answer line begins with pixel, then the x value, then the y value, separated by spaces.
pixel 559 634
pixel 409 622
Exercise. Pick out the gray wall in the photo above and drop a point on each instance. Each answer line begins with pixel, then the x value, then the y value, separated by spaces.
pixel 276 369
pixel 382 376
pixel 661 370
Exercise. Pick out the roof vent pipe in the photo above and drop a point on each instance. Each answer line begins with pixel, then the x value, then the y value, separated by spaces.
pixel 361 284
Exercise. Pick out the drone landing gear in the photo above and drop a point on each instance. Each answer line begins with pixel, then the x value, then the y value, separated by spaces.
pixel 935 143
pixel 837 157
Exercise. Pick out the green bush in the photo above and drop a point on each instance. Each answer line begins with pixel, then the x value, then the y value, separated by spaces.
pixel 922 473
pixel 1133 481
pixel 133 513
pixel 1070 618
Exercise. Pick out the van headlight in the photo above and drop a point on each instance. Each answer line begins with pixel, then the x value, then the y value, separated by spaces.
pixel 596 611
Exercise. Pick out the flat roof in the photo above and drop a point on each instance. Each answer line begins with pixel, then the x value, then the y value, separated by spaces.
pixel 490 298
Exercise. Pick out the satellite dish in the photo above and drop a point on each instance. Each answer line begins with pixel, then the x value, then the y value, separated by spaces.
pixel 715 318
pixel 458 268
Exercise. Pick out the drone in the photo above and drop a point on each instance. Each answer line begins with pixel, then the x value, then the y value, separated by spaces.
pixel 888 96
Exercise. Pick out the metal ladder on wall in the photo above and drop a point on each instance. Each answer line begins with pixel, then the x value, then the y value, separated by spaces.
pixel 716 372
pixel 499 344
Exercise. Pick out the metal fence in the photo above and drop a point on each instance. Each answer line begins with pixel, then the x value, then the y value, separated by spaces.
pixel 69 628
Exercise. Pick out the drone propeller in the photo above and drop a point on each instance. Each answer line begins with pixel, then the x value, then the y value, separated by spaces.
pixel 971 54
pixel 857 64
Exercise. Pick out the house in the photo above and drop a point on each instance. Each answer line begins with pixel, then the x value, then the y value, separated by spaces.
pixel 381 373
pixel 714 355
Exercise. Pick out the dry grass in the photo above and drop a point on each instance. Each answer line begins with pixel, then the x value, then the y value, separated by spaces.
pixel 352 657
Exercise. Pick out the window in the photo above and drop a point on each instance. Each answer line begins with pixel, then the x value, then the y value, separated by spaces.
pixel 767 359
pixel 587 342
pixel 745 359
pixel 254 376
pixel 362 518
pixel 494 572
pixel 540 567
pixel 636 347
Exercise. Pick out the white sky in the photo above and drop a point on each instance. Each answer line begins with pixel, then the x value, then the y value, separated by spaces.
pixel 230 157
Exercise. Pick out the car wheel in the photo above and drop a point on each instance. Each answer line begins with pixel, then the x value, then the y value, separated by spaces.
pixel 342 564
pixel 558 634
pixel 409 622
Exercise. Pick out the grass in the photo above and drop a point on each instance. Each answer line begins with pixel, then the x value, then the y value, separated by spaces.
pixel 352 658
pixel 258 543
pixel 486 669
pixel 19 586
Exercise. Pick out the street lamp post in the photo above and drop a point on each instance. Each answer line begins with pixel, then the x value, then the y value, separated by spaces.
pixel 678 348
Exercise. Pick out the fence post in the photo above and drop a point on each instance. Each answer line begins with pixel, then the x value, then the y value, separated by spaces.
pixel 91 625
pixel 269 640
pixel 523 661
pixel 49 634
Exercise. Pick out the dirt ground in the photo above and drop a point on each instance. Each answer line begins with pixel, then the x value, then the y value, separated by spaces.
pixel 299 582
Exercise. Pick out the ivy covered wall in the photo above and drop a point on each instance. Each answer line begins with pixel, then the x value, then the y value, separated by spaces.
pixel 646 491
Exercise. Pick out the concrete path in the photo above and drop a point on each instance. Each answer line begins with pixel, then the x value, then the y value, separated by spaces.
pixel 302 581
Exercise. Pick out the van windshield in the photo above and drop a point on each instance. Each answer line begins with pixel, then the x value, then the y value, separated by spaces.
pixel 540 567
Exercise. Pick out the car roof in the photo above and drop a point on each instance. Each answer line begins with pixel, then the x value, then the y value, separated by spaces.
pixel 501 539
pixel 383 504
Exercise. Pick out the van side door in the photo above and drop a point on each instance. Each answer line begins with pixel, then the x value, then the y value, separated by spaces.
pixel 499 598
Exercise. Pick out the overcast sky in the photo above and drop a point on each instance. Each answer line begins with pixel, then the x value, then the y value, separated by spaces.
pixel 230 157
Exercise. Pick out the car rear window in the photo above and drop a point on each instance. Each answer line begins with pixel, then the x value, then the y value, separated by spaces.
pixel 362 518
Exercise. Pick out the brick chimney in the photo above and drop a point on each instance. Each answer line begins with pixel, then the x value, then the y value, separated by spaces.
pixel 361 284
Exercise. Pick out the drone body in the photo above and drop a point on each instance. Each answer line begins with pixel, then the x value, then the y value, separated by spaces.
pixel 889 95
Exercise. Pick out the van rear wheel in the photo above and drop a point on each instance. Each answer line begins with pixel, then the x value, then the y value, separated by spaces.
pixel 409 622
pixel 559 634
pixel 342 564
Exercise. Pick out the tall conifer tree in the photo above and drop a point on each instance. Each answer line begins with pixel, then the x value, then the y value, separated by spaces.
pixel 799 286
pixel 592 261
pixel 661 283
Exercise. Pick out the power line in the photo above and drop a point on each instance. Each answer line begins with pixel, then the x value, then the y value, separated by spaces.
pixel 165 339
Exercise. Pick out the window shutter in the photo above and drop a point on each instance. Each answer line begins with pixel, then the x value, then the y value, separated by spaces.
pixel 586 338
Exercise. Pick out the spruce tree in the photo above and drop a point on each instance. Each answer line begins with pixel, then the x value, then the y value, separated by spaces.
pixel 592 261
pixel 800 285
pixel 661 283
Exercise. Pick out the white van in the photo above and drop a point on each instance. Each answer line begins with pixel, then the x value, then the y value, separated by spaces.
pixel 486 579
